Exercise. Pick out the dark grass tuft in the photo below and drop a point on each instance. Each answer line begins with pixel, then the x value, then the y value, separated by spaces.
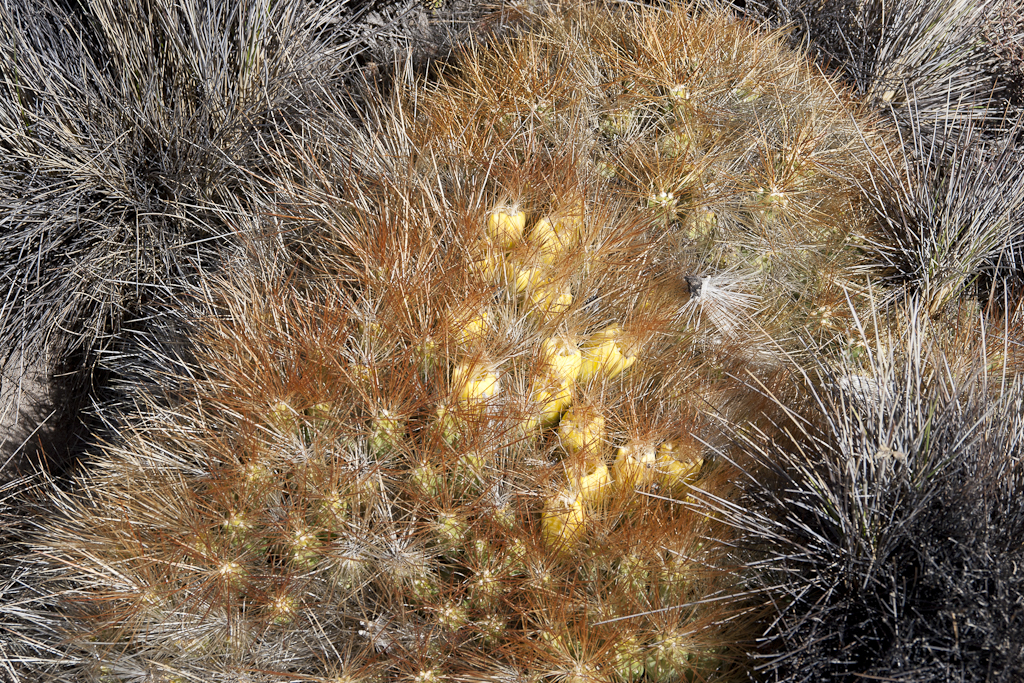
pixel 891 520
pixel 950 213
pixel 127 133
pixel 924 59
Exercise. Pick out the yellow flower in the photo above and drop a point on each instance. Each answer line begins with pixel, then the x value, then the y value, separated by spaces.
pixel 581 430
pixel 606 353
pixel 470 325
pixel 678 464
pixel 552 399
pixel 563 520
pixel 594 487
pixel 475 384
pixel 561 358
pixel 521 278
pixel 544 238
pixel 548 299
pixel 554 238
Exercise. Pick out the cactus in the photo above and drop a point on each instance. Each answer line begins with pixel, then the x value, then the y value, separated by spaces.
pixel 486 425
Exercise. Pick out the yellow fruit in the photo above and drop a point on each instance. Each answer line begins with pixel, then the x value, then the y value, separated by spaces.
pixel 606 353
pixel 505 226
pixel 678 464
pixel 548 299
pixel 634 465
pixel 563 520
pixel 594 487
pixel 581 430
pixel 475 384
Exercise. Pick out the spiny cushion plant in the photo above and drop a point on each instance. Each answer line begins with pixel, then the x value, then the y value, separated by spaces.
pixel 935 63
pixel 943 70
pixel 457 427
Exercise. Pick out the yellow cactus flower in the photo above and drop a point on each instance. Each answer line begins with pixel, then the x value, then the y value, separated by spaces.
pixel 557 234
pixel 470 325
pixel 552 399
pixel 544 238
pixel 635 465
pixel 553 239
pixel 475 384
pixel 563 520
pixel 606 353
pixel 561 359
pixel 581 430
pixel 551 385
pixel 488 263
pixel 521 278
pixel 505 226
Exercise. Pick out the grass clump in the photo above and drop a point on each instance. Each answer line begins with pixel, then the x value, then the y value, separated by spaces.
pixel 881 504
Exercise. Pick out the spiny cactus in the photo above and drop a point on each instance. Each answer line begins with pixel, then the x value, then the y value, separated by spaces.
pixel 882 502
pixel 944 71
pixel 458 426
pixel 115 133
